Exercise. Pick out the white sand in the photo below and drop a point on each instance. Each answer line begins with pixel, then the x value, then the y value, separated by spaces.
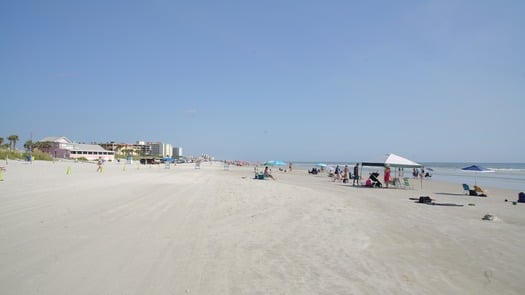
pixel 211 231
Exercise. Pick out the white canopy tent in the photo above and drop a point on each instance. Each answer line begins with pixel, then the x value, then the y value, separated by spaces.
pixel 393 160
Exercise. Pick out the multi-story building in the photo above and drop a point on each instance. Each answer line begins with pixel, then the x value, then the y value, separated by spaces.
pixel 145 149
pixel 161 149
pixel 134 149
pixel 177 152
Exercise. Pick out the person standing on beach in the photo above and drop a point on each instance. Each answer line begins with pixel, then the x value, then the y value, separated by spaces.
pixel 387 176
pixel 337 171
pixel 346 174
pixel 356 174
pixel 290 167
pixel 99 164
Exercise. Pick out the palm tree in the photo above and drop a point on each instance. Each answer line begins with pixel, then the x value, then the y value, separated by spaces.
pixel 28 145
pixel 12 141
pixel 128 151
pixel 43 146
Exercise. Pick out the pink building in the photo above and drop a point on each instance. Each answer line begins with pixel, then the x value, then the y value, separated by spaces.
pixel 63 148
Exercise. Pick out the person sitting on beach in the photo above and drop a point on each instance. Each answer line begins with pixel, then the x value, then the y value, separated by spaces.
pixel 267 173
pixel 479 191
pixel 313 171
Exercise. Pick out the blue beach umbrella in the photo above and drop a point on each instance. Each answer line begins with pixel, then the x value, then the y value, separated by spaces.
pixel 168 159
pixel 476 169
pixel 274 163
pixel 321 165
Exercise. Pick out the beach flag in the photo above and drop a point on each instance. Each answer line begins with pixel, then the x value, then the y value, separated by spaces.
pixel 68 171
pixel 1 177
pixel 124 168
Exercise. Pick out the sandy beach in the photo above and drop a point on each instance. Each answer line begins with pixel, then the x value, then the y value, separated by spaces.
pixel 150 230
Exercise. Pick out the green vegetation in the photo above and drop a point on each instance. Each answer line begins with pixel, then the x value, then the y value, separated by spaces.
pixel 39 155
pixel 17 155
pixel 124 157
pixel 8 150
pixel 12 141
pixel 10 154
pixel 11 145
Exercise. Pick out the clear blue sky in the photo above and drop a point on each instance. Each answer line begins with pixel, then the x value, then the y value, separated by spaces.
pixel 259 80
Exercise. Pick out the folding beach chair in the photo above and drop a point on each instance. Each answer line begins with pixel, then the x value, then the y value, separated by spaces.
pixel 407 183
pixel 466 188
pixel 396 182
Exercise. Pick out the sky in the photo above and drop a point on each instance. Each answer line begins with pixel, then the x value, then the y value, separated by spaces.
pixel 433 81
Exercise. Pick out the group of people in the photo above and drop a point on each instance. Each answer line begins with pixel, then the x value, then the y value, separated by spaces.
pixel 373 180
pixel 345 175
pixel 416 173
pixel 268 172
pixel 315 171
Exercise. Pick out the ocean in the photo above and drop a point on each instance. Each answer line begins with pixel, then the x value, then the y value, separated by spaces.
pixel 504 175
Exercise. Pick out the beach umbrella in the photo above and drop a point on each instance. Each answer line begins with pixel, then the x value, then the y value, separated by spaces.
pixel 321 165
pixel 168 159
pixel 274 163
pixel 476 169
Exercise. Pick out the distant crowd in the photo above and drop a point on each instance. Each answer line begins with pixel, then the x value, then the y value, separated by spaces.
pixel 344 175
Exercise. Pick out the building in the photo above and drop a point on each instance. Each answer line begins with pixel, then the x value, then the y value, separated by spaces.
pixel 62 147
pixel 145 149
pixel 125 149
pixel 161 149
pixel 177 153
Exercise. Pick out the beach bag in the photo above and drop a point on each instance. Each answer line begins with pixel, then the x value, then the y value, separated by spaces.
pixel 521 197
pixel 425 199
